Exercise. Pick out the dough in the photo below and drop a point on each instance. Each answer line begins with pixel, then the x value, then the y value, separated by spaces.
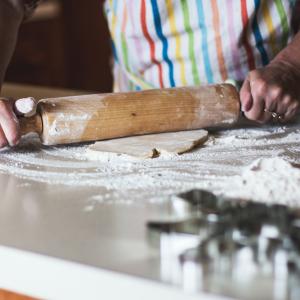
pixel 152 145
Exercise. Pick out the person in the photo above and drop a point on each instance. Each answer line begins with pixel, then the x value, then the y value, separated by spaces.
pixel 158 44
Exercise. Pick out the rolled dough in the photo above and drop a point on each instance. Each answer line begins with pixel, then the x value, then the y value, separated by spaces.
pixel 152 145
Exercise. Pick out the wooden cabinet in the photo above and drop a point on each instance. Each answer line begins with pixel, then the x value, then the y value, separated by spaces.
pixel 40 52
pixel 66 44
pixel 88 45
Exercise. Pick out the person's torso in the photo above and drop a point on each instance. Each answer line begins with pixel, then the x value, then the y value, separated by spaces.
pixel 190 42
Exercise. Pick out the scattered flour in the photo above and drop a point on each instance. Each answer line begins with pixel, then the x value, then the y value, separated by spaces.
pixel 109 157
pixel 252 163
pixel 121 158
pixel 268 180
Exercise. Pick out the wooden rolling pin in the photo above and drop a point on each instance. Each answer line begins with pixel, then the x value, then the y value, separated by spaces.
pixel 105 116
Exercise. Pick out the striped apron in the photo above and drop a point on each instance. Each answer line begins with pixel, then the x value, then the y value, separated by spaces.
pixel 168 43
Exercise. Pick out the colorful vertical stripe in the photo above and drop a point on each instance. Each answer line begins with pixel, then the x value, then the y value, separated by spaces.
pixel 113 28
pixel 123 38
pixel 178 40
pixel 233 39
pixel 218 39
pixel 204 42
pixel 258 36
pixel 245 35
pixel 190 42
pixel 283 20
pixel 191 45
pixel 150 41
pixel 164 40
pixel 270 26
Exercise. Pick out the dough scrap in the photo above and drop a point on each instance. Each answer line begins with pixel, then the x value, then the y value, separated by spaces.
pixel 152 145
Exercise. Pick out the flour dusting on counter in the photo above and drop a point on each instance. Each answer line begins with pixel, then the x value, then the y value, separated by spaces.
pixel 224 165
pixel 268 180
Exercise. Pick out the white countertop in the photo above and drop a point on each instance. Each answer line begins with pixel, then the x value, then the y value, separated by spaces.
pixel 55 242
pixel 52 247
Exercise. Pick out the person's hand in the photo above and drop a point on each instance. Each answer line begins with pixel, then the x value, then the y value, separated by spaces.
pixel 273 91
pixel 9 124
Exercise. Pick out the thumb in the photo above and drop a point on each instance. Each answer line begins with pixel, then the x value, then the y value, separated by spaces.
pixel 246 96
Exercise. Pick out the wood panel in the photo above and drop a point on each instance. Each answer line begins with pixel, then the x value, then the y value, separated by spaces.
pixel 6 295
pixel 68 47
pixel 88 45
pixel 39 57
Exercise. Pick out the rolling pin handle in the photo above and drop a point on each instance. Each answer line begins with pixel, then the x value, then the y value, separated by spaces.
pixel 31 124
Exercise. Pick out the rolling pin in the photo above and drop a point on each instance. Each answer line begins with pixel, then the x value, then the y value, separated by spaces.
pixel 105 116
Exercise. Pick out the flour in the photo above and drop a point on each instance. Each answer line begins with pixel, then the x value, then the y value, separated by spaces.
pixel 26 106
pixel 231 163
pixel 268 180
pixel 109 157
pixel 61 126
pixel 66 117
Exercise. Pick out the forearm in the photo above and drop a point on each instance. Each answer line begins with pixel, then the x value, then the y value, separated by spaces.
pixel 11 16
pixel 290 54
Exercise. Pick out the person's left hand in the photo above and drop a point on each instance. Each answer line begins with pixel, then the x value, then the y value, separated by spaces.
pixel 272 89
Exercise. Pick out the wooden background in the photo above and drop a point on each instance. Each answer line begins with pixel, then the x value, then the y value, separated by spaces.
pixel 66 44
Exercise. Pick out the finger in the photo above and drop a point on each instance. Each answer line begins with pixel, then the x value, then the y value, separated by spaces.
pixel 257 111
pixel 9 123
pixel 272 99
pixel 289 115
pixel 3 140
pixel 292 111
pixel 284 105
pixel 245 96
pixel 265 117
pixel 259 90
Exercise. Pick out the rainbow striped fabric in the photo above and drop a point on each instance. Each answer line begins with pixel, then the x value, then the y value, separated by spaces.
pixel 167 43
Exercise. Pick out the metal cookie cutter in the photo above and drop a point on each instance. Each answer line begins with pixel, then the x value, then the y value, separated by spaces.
pixel 233 247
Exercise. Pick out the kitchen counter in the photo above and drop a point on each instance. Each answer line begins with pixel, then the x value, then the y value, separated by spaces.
pixel 58 241
pixel 52 247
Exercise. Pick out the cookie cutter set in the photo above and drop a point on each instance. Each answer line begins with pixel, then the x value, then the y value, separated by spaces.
pixel 230 247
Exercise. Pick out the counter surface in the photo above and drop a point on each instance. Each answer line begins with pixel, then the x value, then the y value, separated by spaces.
pixel 74 240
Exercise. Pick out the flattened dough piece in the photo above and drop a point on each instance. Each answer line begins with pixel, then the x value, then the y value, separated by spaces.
pixel 152 145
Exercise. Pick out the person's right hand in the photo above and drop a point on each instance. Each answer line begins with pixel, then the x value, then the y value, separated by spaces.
pixel 9 124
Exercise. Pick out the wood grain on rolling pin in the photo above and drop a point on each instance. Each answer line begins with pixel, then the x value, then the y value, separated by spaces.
pixel 106 116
